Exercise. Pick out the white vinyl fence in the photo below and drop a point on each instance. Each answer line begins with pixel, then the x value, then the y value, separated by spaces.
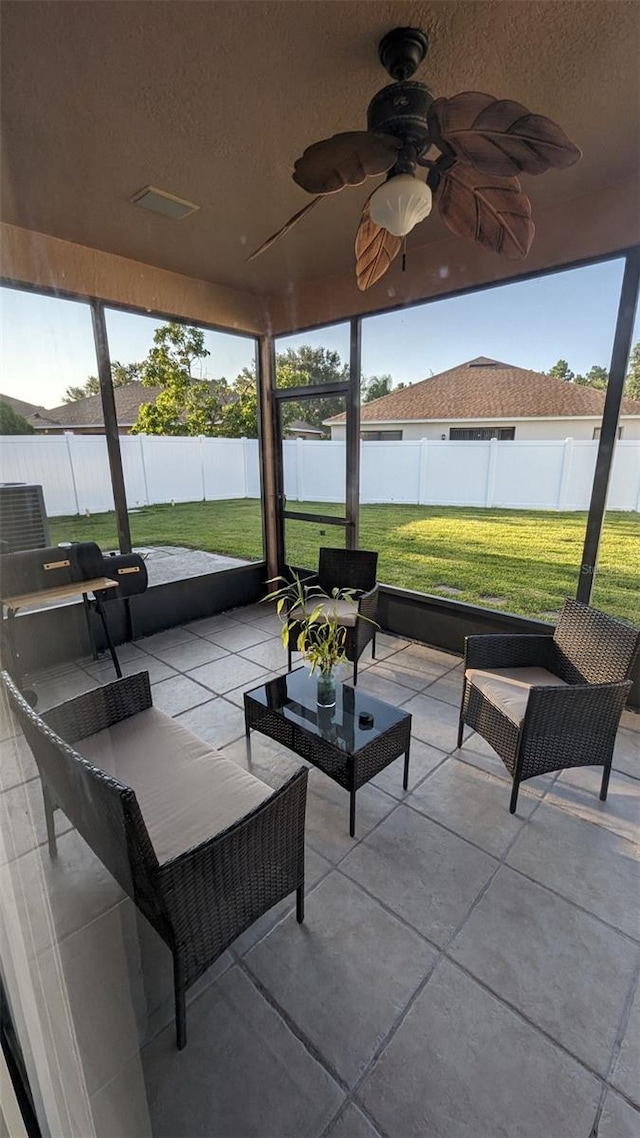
pixel 555 475
pixel 74 469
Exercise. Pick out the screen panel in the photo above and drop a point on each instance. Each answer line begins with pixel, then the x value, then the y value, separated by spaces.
pixel 484 499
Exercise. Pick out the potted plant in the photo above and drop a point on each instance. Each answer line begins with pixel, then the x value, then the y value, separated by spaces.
pixel 306 613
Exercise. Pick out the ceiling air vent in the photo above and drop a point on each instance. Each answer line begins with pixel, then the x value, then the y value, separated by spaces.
pixel 159 201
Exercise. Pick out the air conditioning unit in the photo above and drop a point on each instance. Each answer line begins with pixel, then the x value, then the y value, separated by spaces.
pixel 23 518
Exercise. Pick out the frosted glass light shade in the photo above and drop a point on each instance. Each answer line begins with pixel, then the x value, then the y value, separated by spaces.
pixel 400 203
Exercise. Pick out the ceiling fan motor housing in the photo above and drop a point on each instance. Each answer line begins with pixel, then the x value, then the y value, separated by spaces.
pixel 402 51
pixel 401 109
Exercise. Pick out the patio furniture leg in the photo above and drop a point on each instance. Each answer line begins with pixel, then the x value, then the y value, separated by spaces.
pixel 405 780
pixel 355 673
pixel 127 609
pixel 514 795
pixel 373 647
pixel 289 659
pixel 352 814
pixel 461 720
pixel 605 780
pixel 517 772
pixel 50 821
pixel 87 616
pixel 181 1006
pixel 101 613
pixel 300 904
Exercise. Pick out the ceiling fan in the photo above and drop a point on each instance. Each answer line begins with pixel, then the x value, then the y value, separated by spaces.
pixel 471 146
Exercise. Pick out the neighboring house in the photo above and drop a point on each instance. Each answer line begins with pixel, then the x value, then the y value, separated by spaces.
pixel 84 416
pixel 298 429
pixel 484 399
pixel 20 407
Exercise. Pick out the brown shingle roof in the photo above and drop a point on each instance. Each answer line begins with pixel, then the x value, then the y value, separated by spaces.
pixel 487 389
pixel 87 412
pixel 19 405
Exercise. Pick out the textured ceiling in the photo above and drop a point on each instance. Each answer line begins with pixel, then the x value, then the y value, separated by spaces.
pixel 213 102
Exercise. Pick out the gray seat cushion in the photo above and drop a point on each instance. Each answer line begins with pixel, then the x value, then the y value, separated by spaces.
pixel 346 611
pixel 508 688
pixel 187 791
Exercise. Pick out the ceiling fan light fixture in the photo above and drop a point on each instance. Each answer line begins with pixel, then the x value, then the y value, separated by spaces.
pixel 400 203
pixel 477 145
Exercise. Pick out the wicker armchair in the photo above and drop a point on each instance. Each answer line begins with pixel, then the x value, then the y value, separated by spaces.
pixel 349 569
pixel 547 703
pixel 199 895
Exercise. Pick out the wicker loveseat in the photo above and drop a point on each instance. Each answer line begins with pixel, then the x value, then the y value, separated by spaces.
pixel 201 846
pixel 547 703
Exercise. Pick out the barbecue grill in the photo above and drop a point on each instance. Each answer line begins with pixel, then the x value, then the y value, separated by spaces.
pixel 59 573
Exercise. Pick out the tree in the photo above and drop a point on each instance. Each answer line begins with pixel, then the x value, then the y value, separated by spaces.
pixel 73 393
pixel 295 367
pixel 632 382
pixel 121 375
pixel 301 367
pixel 561 370
pixel 597 377
pixel 313 365
pixel 240 414
pixel 11 423
pixel 185 405
pixel 375 386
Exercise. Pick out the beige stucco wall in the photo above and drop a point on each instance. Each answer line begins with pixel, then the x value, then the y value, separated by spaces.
pixel 572 428
pixel 525 429
pixel 37 259
pixel 565 232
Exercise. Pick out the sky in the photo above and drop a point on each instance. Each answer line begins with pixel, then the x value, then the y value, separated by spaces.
pixel 46 344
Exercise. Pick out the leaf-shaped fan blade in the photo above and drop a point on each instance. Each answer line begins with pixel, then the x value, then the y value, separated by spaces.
pixel 499 136
pixel 285 228
pixel 493 211
pixel 375 250
pixel 345 160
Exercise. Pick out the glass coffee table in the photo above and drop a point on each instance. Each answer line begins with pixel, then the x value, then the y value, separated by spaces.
pixel 350 742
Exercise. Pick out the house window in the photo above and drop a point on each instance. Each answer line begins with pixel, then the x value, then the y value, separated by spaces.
pixel 480 434
pixel 596 432
pixel 381 436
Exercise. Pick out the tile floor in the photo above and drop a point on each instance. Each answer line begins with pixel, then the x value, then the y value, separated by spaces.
pixel 461 973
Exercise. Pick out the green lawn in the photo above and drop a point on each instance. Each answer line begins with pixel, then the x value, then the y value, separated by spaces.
pixel 522 561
